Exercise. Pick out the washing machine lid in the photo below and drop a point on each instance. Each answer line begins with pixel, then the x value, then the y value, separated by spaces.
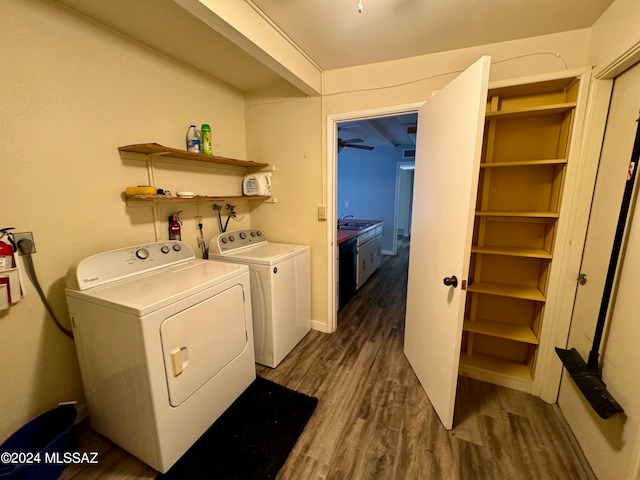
pixel 147 292
pixel 264 254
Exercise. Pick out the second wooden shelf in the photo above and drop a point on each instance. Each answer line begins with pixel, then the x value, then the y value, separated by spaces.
pixel 507 290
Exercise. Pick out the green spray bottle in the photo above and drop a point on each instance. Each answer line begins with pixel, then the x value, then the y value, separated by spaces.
pixel 206 139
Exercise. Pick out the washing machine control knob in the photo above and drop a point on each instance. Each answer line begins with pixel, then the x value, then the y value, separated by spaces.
pixel 231 238
pixel 258 233
pixel 165 249
pixel 177 247
pixel 223 240
pixel 142 253
pixel 242 235
pixel 253 234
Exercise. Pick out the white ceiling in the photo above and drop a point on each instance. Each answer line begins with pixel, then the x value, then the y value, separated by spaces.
pixel 334 35
pixel 380 132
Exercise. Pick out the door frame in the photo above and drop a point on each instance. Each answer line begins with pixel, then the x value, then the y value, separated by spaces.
pixel 397 206
pixel 332 191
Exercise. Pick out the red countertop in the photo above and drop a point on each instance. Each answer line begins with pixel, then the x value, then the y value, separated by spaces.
pixel 344 235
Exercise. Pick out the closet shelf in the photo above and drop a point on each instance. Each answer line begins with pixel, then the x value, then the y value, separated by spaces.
pixel 470 364
pixel 524 163
pixel 507 290
pixel 512 251
pixel 158 150
pixel 493 328
pixel 529 214
pixel 555 109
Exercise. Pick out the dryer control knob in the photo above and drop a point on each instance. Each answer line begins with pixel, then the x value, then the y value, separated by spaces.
pixel 231 238
pixel 253 234
pixel 258 233
pixel 177 247
pixel 223 240
pixel 165 249
pixel 242 235
pixel 142 253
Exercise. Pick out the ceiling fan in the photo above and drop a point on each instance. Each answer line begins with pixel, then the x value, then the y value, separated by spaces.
pixel 352 144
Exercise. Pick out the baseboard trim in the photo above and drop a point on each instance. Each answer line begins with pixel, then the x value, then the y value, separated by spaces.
pixel 320 326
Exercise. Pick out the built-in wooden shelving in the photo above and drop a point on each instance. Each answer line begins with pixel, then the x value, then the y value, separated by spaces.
pixel 525 154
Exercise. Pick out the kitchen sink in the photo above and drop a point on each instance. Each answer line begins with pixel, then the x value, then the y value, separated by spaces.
pixel 353 225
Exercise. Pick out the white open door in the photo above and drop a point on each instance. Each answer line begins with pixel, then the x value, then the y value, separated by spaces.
pixel 448 149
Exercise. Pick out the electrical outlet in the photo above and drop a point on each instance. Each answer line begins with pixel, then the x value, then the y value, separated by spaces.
pixel 25 235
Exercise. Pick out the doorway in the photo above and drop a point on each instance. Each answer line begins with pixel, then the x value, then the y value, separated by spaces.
pixel 334 122
pixel 374 176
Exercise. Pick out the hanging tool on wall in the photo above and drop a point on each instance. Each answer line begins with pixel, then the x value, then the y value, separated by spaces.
pixel 587 376
pixel 201 243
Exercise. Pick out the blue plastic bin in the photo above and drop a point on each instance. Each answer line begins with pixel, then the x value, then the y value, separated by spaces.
pixel 48 433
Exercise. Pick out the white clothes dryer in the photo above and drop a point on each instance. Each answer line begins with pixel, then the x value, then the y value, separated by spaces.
pixel 164 342
pixel 280 289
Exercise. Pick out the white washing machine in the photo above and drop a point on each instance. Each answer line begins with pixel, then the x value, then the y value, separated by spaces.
pixel 280 289
pixel 165 344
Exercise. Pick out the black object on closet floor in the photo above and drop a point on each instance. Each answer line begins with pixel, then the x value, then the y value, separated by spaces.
pixel 252 439
pixel 587 376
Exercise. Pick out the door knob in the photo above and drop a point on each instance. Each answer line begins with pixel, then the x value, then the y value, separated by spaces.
pixel 451 281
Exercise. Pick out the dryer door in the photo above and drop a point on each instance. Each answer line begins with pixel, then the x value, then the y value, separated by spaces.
pixel 200 341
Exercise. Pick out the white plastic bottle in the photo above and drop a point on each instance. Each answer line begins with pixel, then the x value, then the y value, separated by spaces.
pixel 193 139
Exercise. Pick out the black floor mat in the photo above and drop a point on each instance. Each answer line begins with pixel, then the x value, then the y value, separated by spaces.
pixel 252 439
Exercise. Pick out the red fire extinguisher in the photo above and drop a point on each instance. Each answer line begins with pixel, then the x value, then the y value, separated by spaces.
pixel 174 226
pixel 6 252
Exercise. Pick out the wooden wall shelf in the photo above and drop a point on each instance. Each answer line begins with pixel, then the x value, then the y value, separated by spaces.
pixel 157 150
pixel 197 198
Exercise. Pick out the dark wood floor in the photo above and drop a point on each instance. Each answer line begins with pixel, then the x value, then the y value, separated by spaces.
pixel 374 421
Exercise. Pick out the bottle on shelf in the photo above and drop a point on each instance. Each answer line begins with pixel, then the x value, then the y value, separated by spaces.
pixel 193 139
pixel 206 139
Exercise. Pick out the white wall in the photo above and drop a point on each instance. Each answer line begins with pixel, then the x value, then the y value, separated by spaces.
pixel 611 446
pixel 367 181
pixel 71 92
pixel 285 129
pixel 413 79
